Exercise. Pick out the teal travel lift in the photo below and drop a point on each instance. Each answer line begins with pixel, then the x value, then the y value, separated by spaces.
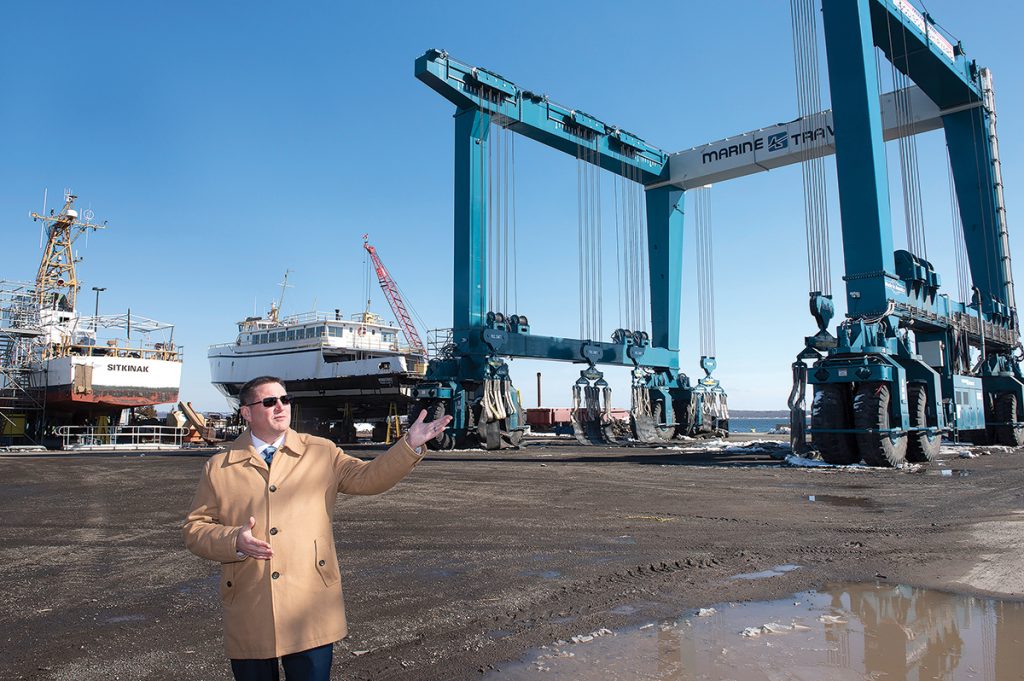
pixel 470 380
pixel 909 365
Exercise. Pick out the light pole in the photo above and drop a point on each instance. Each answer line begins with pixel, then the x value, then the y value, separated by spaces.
pixel 96 314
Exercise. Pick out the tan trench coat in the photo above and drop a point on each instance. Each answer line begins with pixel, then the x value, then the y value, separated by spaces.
pixel 293 601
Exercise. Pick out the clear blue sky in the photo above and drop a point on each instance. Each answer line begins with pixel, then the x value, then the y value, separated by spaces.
pixel 225 142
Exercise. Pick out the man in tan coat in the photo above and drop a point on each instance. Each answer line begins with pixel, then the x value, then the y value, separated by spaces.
pixel 263 510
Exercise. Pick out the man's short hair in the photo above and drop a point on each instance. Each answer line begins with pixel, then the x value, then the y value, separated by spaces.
pixel 245 394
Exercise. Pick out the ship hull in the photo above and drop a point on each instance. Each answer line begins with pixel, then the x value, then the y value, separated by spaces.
pixel 326 393
pixel 109 396
pixel 109 383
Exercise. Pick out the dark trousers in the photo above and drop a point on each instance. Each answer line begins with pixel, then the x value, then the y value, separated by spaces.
pixel 309 665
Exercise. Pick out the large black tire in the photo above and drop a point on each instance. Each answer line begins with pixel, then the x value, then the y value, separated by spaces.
pixel 921 446
pixel 1005 411
pixel 665 432
pixel 831 409
pixel 871 412
pixel 444 441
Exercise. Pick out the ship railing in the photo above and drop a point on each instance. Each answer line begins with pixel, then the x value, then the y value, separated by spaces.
pixel 317 316
pixel 121 437
pixel 167 352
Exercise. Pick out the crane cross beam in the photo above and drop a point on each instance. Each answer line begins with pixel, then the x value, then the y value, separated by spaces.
pixel 538 118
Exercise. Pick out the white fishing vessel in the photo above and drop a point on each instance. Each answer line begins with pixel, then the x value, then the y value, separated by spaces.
pixel 61 367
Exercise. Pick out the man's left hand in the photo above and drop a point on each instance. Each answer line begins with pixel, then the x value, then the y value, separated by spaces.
pixel 421 432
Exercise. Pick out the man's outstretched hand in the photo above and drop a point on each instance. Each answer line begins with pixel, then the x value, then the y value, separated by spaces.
pixel 250 545
pixel 420 433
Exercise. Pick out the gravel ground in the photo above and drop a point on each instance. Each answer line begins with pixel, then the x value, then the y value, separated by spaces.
pixel 479 556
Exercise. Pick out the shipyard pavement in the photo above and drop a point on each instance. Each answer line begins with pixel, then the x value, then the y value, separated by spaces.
pixel 483 556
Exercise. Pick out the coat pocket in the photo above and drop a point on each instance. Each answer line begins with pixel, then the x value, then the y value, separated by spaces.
pixel 326 561
pixel 228 583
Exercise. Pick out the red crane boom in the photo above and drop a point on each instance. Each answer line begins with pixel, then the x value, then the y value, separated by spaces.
pixel 387 284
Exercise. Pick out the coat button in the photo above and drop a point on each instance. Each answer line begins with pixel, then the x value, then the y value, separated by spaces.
pixel 275 575
pixel 273 488
pixel 321 563
pixel 229 583
pixel 273 530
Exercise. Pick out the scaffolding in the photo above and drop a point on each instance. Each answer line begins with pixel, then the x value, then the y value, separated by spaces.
pixel 20 334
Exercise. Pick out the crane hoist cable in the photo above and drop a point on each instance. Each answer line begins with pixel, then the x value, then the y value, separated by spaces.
pixel 631 249
pixel 588 185
pixel 643 273
pixel 493 200
pixel 499 252
pixel 705 271
pixel 959 244
pixel 910 173
pixel 808 88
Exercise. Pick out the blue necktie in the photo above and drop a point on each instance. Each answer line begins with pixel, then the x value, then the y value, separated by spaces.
pixel 268 454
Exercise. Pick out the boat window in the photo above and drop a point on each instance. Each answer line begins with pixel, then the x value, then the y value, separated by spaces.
pixel 334 331
pixel 263 338
pixel 310 331
pixel 291 334
pixel 384 366
pixel 319 331
pixel 331 359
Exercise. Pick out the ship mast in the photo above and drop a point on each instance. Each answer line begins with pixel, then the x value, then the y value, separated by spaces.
pixel 275 310
pixel 56 278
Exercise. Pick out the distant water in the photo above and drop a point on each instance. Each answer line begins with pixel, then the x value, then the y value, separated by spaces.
pixel 756 425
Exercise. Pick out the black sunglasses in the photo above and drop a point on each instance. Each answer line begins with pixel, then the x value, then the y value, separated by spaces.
pixel 269 402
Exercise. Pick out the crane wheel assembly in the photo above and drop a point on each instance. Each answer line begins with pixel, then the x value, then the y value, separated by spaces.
pixel 436 410
pixel 1007 429
pixel 831 423
pixel 922 445
pixel 879 444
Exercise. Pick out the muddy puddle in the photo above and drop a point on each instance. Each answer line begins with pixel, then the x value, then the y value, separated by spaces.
pixel 851 632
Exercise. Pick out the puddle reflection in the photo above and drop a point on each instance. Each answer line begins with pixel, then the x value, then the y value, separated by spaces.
pixel 837 500
pixel 845 633
pixel 949 473
pixel 770 572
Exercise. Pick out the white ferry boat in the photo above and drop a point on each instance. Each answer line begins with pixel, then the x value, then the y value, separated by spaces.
pixel 339 371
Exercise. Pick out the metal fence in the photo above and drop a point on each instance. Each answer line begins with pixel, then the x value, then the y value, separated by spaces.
pixel 121 437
